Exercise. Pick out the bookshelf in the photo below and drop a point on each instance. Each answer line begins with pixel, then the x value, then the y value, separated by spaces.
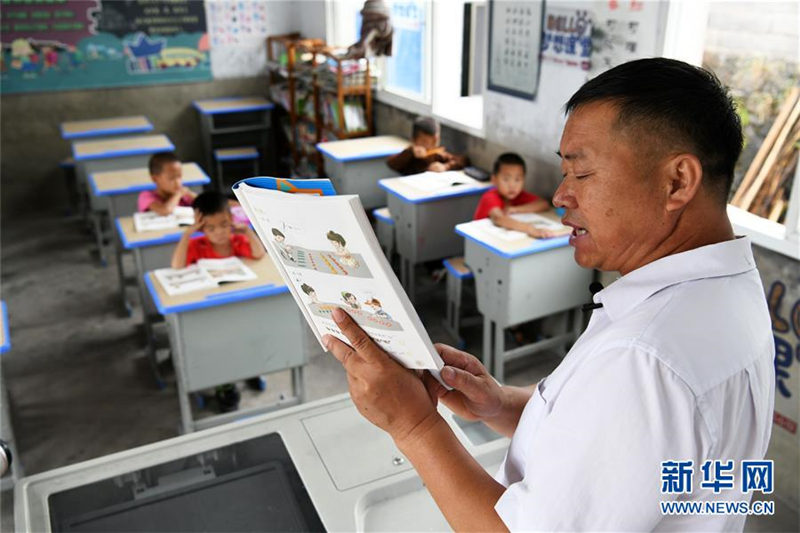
pixel 326 97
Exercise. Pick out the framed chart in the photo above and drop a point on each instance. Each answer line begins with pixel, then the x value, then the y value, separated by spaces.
pixel 515 35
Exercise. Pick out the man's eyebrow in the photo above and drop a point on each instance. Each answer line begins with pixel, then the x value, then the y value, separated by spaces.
pixel 569 156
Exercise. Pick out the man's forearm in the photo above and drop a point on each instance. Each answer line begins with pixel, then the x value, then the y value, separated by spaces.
pixel 514 401
pixel 465 493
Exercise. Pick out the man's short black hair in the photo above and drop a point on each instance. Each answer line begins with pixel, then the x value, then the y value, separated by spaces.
pixel 684 106
pixel 158 160
pixel 210 203
pixel 508 158
pixel 427 125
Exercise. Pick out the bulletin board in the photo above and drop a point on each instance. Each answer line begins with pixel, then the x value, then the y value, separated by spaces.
pixel 50 45
pixel 515 34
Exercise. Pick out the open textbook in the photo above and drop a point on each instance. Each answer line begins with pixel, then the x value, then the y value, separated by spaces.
pixel 150 221
pixel 328 255
pixel 206 274
pixel 537 221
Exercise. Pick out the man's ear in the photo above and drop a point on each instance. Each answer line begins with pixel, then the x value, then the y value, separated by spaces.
pixel 685 177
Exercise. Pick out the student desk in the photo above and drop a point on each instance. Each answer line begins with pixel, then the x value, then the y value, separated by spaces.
pixel 118 153
pixel 225 116
pixel 151 250
pixel 424 220
pixel 122 188
pixel 521 280
pixel 355 165
pixel 233 332
pixel 105 127
pixel 6 430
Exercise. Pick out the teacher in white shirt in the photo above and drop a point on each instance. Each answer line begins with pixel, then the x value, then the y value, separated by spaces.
pixel 676 365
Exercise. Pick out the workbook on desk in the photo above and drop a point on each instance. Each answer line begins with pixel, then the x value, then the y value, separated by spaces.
pixel 328 255
pixel 206 274
pixel 150 221
pixel 537 221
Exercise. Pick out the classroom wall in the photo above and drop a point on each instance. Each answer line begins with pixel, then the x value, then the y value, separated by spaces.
pixel 31 145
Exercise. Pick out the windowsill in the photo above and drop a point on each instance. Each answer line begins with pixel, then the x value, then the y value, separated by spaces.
pixel 765 233
pixel 464 114
pixel 414 106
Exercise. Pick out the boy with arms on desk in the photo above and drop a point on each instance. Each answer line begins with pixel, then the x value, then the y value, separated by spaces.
pixel 509 197
pixel 425 154
pixel 221 238
pixel 167 173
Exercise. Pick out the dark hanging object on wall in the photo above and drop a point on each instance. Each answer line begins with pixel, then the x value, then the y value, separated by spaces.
pixel 376 32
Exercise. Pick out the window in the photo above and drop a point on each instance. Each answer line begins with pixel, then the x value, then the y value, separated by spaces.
pixel 438 58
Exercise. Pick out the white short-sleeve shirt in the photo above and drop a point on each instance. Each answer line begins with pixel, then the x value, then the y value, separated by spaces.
pixel 676 365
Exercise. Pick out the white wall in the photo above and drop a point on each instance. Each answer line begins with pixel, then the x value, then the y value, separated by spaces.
pixel 533 128
pixel 308 18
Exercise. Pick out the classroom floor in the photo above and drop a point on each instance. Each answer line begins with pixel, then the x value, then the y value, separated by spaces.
pixel 79 382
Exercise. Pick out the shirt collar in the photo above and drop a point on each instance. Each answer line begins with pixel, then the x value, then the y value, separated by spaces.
pixel 718 260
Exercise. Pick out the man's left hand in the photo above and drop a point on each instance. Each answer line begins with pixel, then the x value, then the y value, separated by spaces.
pixel 385 393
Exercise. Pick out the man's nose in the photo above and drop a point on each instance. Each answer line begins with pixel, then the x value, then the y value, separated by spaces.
pixel 564 197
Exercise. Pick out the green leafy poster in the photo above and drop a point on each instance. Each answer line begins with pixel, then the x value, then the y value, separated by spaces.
pixel 52 45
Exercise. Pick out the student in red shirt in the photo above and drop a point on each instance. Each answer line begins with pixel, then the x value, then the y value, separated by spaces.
pixel 221 236
pixel 508 197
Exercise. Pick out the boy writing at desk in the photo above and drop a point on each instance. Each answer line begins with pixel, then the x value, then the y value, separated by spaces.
pixel 221 236
pixel 425 154
pixel 167 173
pixel 509 197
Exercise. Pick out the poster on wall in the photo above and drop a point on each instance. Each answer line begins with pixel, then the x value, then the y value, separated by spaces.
pixel 51 45
pixel 515 34
pixel 238 29
pixel 567 37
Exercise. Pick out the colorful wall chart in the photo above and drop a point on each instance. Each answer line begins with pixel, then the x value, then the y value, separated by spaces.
pixel 50 45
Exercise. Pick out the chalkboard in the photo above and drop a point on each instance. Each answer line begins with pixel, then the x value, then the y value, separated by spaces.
pixel 52 45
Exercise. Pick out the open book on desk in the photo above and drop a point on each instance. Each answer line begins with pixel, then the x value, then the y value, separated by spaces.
pixel 328 255
pixel 150 221
pixel 206 274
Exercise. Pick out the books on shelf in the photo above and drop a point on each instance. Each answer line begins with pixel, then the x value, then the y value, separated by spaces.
pixel 333 259
pixel 150 221
pixel 355 119
pixel 206 274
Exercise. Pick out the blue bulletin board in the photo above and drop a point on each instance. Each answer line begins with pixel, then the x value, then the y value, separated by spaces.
pixel 52 45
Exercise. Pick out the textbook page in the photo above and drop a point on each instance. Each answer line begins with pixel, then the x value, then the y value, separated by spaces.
pixel 329 256
pixel 182 280
pixel 488 228
pixel 438 181
pixel 150 221
pixel 227 270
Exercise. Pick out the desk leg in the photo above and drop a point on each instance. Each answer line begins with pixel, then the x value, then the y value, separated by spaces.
pixel 187 424
pixel 205 126
pixel 298 385
pixel 126 305
pixel 150 344
pixel 499 355
pixel 97 225
pixel 486 356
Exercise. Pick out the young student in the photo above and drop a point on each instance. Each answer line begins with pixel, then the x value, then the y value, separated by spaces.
pixel 425 152
pixel 167 173
pixel 509 197
pixel 221 237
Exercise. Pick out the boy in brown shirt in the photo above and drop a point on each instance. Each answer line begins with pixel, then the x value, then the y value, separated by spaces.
pixel 425 154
